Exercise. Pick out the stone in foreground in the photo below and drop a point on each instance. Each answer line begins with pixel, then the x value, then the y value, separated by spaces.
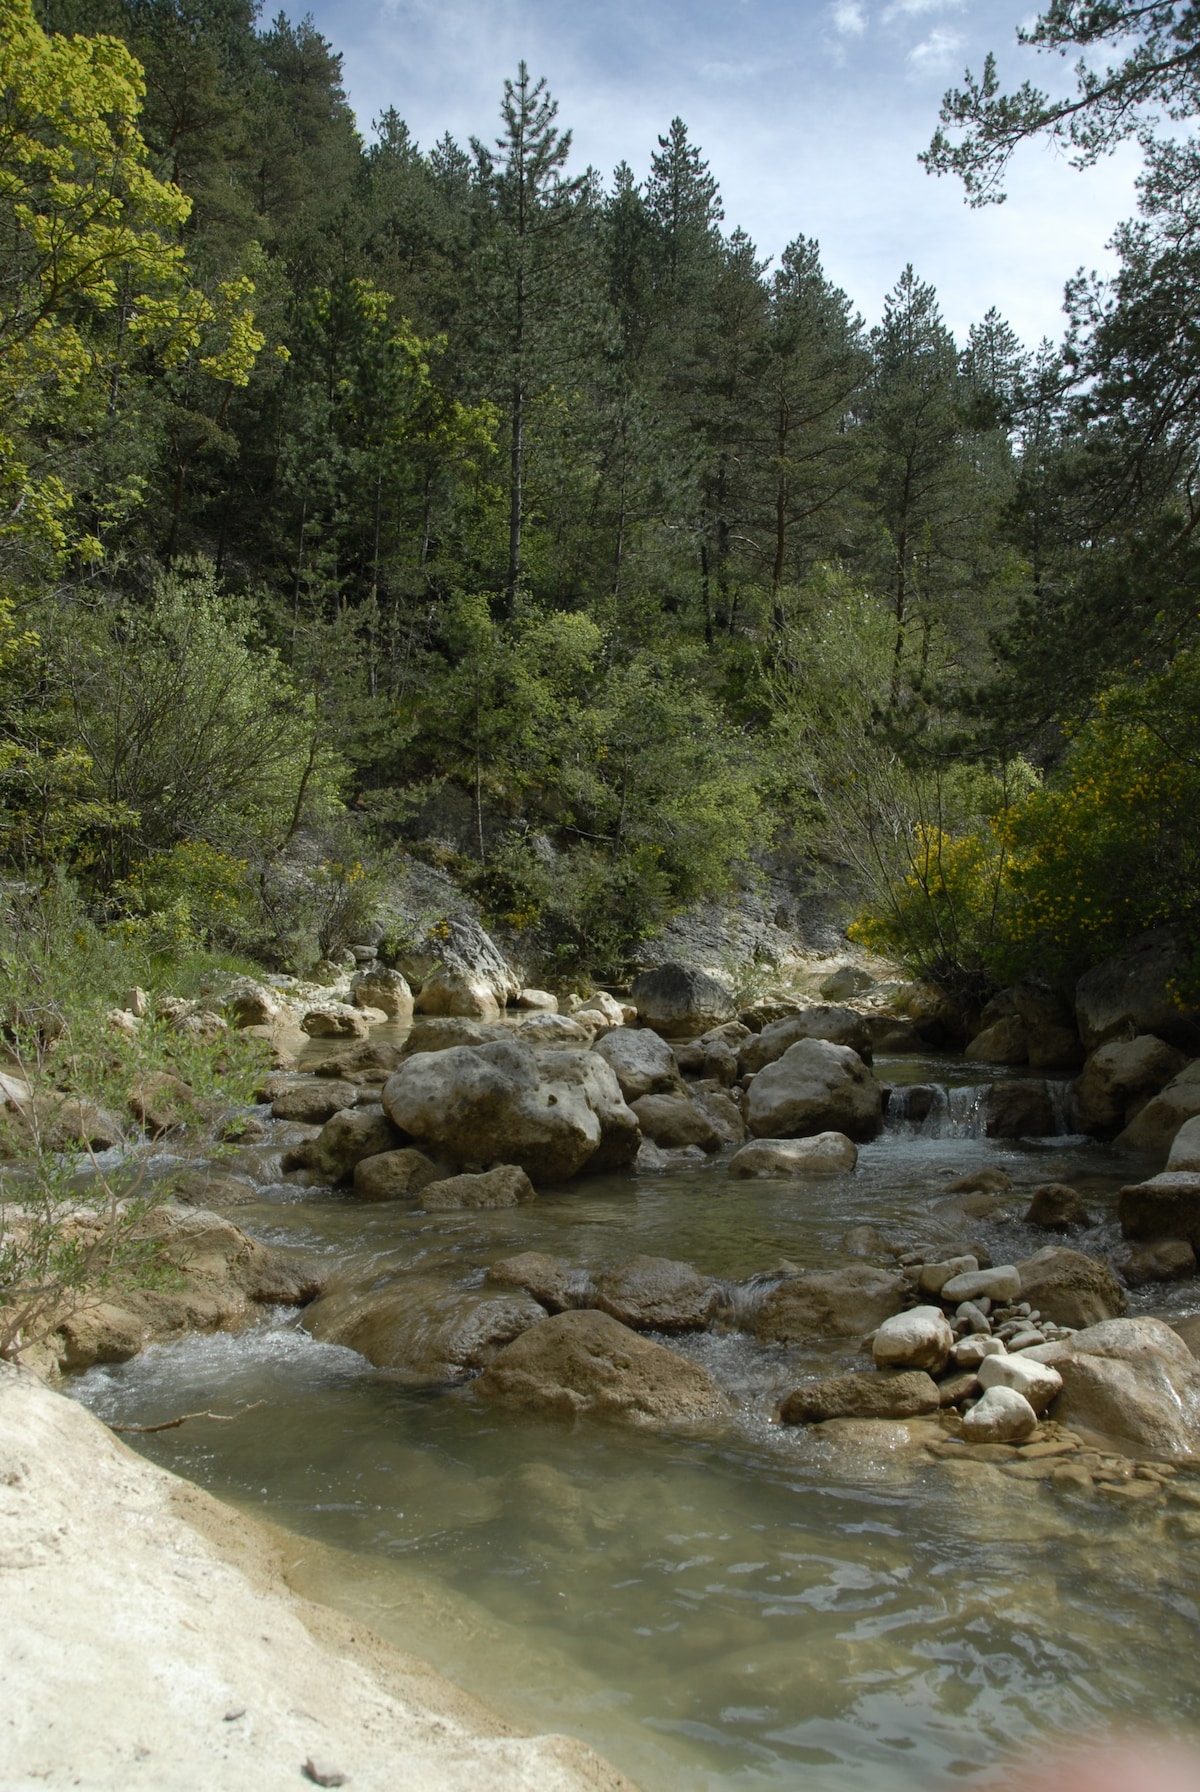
pixel 1001 1283
pixel 1038 1382
pixel 657 1294
pixel 1165 1206
pixel 1070 1288
pixel 835 1303
pixel 1002 1417
pixel 902 1396
pixel 1132 1381
pixel 918 1339
pixel 815 1087
pixel 822 1155
pixel 588 1363
pixel 504 1186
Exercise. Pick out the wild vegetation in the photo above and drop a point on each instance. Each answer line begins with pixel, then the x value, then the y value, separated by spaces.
pixel 364 500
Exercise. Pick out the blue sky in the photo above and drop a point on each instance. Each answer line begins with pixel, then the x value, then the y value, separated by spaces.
pixel 811 114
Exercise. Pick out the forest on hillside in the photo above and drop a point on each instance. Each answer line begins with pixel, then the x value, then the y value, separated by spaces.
pixel 363 500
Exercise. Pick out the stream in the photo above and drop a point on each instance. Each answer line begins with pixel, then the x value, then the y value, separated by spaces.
pixel 752 1607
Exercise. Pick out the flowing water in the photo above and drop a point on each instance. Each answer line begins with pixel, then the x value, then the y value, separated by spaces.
pixel 748 1607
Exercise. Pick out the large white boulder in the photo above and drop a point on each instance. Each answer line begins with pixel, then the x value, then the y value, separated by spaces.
pixel 551 1113
pixel 681 1002
pixel 815 1087
pixel 822 1155
pixel 918 1339
pixel 644 1063
pixel 841 1026
pixel 1185 1150
pixel 1118 1080
pixel 1166 1116
pixel 1003 1416
pixel 1133 1382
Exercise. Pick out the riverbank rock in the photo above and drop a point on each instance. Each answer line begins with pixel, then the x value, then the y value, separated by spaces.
pixel 1157 1126
pixel 423 1330
pixel 588 1363
pixel 383 989
pixel 1056 1208
pixel 451 991
pixel 313 1102
pixel 1164 1206
pixel 342 1143
pixel 855 1396
pixel 595 1079
pixel 657 1294
pixel 1118 1080
pixel 840 1026
pixel 1070 1288
pixel 395 1175
pixel 680 1002
pixel 602 1007
pixel 458 943
pixel 1002 1282
pixel 1020 1110
pixel 1002 1416
pixel 1135 992
pixel 815 1087
pixel 251 1004
pixel 441 1033
pixel 505 1186
pixel 921 1338
pixel 1132 1381
pixel 642 1062
pixel 160 1101
pixel 335 1020
pixel 1185 1149
pixel 219 1277
pixel 824 1154
pixel 52 1121
pixel 1005 1041
pixel 480 1105
pixel 676 1120
pixel 539 999
pixel 833 1303
pixel 1166 1260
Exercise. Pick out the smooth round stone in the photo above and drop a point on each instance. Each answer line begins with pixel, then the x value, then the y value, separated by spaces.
pixel 823 1154
pixel 1002 1417
pixel 1002 1284
pixel 1038 1383
pixel 918 1339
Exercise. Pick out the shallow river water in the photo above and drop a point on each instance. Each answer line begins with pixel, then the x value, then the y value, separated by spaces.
pixel 748 1607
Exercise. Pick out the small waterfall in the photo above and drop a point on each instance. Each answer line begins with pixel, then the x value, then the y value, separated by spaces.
pixel 932 1111
pixel 935 1111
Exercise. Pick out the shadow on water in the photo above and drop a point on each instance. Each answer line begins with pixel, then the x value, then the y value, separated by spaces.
pixel 741 1608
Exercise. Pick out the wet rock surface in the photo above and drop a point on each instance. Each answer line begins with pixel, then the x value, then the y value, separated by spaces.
pixel 588 1363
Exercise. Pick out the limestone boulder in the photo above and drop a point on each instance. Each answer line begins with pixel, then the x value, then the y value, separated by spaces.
pixel 588 1363
pixel 420 1329
pixel 550 1280
pixel 248 1003
pixel 1070 1288
pixel 1185 1147
pixel 384 989
pixel 711 1058
pixel 1132 1381
pixel 505 1186
pixel 501 1102
pixel 1006 1041
pixel 657 1294
pixel 815 1087
pixel 440 1033
pixel 595 1079
pixel 840 1026
pixel 861 1396
pixel 1056 1208
pixel 824 1154
pixel 602 1008
pixel 458 943
pixel 1166 1116
pixel 921 1338
pixel 1003 1416
pixel 643 1063
pixel 313 1101
pixel 834 1303
pixel 1164 1206
pixel 1002 1282
pixel 1166 1260
pixel 335 1020
pixel 1020 1110
pixel 451 991
pixel 1118 1080
pixel 1039 1020
pixel 681 1002
pixel 58 1122
pixel 676 1120
pixel 847 980
pixel 394 1175
pixel 160 1101
pixel 538 999
pixel 723 1109
pixel 1136 992
pixel 342 1143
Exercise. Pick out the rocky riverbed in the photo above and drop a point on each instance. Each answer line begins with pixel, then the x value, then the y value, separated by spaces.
pixel 773 1398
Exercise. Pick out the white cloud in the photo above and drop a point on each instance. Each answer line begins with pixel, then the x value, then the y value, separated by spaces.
pixel 937 51
pixel 849 18
pixel 913 9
